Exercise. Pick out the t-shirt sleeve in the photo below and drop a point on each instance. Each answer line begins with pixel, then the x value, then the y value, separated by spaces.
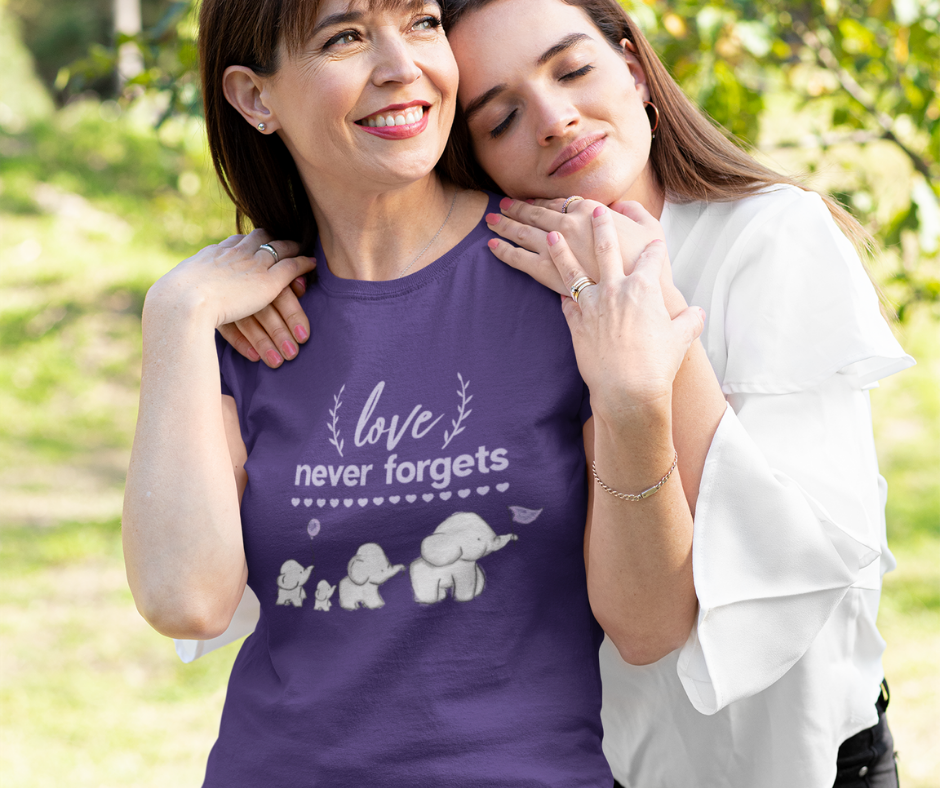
pixel 789 514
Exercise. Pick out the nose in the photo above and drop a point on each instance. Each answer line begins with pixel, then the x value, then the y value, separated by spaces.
pixel 395 63
pixel 557 116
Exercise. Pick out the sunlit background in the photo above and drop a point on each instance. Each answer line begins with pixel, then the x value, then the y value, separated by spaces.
pixel 105 184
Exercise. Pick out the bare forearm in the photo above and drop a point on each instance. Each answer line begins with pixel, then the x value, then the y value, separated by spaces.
pixel 697 406
pixel 182 535
pixel 639 553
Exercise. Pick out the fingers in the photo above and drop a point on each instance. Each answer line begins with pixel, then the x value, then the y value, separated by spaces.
pixel 633 211
pixel 522 234
pixel 539 267
pixel 531 214
pixel 232 240
pixel 606 246
pixel 569 269
pixel 544 214
pixel 253 241
pixel 261 341
pixel 689 324
pixel 649 265
pixel 237 340
pixel 292 314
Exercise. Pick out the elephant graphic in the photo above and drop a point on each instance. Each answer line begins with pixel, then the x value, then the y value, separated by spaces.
pixel 323 593
pixel 368 569
pixel 290 583
pixel 448 559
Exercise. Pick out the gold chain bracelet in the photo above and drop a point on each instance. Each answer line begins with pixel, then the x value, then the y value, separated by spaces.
pixel 639 496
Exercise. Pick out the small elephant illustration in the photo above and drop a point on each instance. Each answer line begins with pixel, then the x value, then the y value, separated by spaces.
pixel 448 559
pixel 323 593
pixel 290 583
pixel 368 569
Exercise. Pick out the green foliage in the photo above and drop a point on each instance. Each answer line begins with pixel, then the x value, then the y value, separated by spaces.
pixel 867 71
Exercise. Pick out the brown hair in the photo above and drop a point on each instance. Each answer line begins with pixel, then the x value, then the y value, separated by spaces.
pixel 256 170
pixel 691 157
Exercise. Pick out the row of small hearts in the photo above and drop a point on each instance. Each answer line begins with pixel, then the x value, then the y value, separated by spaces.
pixel 427 497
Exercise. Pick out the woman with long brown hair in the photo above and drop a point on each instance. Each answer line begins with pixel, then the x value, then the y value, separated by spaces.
pixel 782 671
pixel 408 499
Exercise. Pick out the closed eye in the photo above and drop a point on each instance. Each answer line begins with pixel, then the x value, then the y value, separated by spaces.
pixel 503 126
pixel 579 73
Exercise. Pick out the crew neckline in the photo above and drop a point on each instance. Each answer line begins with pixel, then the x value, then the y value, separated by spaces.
pixel 336 286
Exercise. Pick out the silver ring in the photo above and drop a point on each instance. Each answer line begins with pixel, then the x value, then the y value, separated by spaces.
pixel 579 285
pixel 272 250
pixel 567 203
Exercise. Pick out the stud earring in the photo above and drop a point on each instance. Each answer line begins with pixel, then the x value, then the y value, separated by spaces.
pixel 261 127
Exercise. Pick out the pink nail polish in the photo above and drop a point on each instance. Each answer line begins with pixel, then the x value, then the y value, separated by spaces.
pixel 506 203
pixel 301 283
pixel 530 201
pixel 288 348
pixel 253 354
pixel 492 243
pixel 493 218
pixel 553 238
pixel 301 333
pixel 273 358
pixel 599 211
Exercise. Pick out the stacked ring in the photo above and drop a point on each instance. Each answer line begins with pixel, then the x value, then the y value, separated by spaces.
pixel 567 203
pixel 579 285
pixel 272 250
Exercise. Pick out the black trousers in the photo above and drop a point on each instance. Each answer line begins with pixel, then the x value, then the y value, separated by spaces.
pixel 866 760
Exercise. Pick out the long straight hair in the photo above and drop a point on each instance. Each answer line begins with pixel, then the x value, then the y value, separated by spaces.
pixel 691 158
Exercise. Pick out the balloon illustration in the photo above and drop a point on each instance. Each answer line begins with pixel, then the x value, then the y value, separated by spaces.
pixel 313 527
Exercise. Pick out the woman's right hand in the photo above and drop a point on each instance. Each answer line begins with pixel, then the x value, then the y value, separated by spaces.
pixel 231 281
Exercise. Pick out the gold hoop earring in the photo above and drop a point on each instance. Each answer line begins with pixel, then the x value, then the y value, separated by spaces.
pixel 654 123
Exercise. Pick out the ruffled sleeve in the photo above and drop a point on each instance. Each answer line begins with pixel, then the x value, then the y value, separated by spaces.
pixel 796 305
pixel 789 515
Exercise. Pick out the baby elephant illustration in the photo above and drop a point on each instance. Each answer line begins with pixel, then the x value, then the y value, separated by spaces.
pixel 448 559
pixel 290 583
pixel 323 593
pixel 368 569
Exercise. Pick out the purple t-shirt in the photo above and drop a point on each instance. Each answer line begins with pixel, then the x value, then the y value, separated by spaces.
pixel 414 525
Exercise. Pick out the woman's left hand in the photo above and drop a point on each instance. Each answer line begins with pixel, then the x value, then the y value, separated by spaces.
pixel 527 224
pixel 627 346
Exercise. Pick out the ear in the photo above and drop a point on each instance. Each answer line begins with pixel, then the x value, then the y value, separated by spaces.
pixel 359 570
pixel 441 549
pixel 245 90
pixel 636 70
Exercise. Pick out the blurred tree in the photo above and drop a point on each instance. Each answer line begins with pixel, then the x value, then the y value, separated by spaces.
pixel 869 68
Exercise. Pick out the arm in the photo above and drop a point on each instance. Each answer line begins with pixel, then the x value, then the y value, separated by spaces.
pixel 697 401
pixel 181 525
pixel 638 554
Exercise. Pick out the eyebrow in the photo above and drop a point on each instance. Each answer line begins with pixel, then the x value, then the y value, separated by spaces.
pixel 552 52
pixel 336 19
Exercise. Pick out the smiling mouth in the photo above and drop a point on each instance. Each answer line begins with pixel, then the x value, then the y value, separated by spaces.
pixel 401 117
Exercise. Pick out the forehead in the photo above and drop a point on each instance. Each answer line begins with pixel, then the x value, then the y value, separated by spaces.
pixel 505 39
pixel 300 17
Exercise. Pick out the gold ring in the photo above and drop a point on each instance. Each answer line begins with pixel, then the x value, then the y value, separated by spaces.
pixel 579 285
pixel 272 250
pixel 567 203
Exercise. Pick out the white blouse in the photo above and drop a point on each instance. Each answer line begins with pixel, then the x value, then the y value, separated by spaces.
pixel 788 551
pixel 789 546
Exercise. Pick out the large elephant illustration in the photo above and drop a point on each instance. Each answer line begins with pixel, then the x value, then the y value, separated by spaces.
pixel 448 559
pixel 290 583
pixel 368 569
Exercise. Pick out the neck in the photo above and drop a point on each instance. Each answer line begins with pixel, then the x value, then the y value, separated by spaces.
pixel 648 193
pixel 374 236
